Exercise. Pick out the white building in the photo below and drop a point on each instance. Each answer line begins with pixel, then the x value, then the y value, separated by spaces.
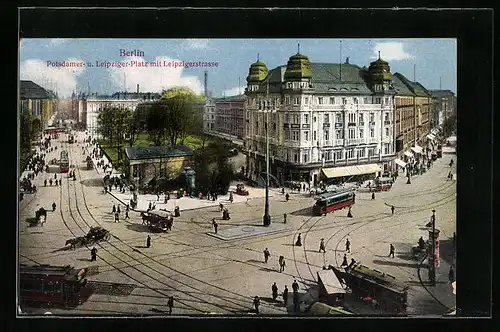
pixel 326 121
pixel 209 116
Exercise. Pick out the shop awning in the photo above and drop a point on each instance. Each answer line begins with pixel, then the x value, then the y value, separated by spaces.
pixel 336 172
pixel 431 137
pixel 416 149
pixel 408 154
pixel 400 162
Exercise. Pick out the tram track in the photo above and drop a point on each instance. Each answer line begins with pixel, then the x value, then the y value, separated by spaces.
pixel 243 306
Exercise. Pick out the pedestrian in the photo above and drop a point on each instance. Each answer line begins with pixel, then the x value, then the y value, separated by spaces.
pixel 126 215
pixel 148 242
pixel 50 182
pixel 347 245
pixel 266 255
pixel 45 182
pixel 215 227
pixel 55 176
pixel 284 218
pixel 283 190
pixel 373 195
pixel 149 206
pixel 231 198
pixel 117 218
pixel 118 208
pixel 344 262
pixel 157 196
pixel 352 262
pixel 353 198
pixel 287 197
pixel 170 304
pixel 322 246
pixel 274 289
pixel 53 206
pixel 110 187
pixel 282 263
pixel 93 254
pixel 298 243
pixel 391 251
pixel 349 213
pixel 256 303
pixel 285 295
pixel 451 275
pixel 105 189
pixel 114 208
pixel 392 209
pixel 295 286
pixel 221 206
pixel 127 208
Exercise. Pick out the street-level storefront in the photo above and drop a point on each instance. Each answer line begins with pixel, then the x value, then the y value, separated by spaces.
pixel 352 173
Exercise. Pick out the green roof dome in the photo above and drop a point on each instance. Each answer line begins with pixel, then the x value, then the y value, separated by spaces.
pixel 298 67
pixel 257 72
pixel 380 71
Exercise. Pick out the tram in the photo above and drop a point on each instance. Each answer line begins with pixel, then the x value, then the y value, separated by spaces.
pixel 71 138
pixel 54 130
pixel 64 162
pixel 383 183
pixel 332 201
pixel 62 285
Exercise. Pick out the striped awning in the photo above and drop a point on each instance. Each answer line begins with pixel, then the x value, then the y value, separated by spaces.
pixel 417 149
pixel 336 172
pixel 431 137
pixel 400 162
pixel 408 154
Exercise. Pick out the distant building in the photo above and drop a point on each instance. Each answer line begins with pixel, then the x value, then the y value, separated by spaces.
pixel 230 116
pixel 38 103
pixel 413 109
pixel 142 164
pixel 445 104
pixel 209 113
pixel 321 116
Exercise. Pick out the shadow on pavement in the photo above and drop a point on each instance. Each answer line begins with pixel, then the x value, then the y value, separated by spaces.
pixel 95 182
pixel 303 212
pixel 254 261
pixel 380 262
pixel 138 228
pixel 83 259
pixel 266 269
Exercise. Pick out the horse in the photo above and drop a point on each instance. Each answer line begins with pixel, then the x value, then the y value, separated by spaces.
pixel 74 242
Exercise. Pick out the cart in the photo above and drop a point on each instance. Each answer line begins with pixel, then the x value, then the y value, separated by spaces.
pixel 240 189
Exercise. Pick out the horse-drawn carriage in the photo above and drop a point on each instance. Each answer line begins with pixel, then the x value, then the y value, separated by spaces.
pixel 40 215
pixel 158 221
pixel 94 235
pixel 240 189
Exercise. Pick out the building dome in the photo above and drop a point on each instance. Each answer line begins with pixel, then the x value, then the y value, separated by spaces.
pixel 257 72
pixel 298 67
pixel 380 71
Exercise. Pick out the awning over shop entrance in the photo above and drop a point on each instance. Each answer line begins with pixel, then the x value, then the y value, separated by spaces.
pixel 336 172
pixel 431 137
pixel 400 162
pixel 408 154
pixel 417 149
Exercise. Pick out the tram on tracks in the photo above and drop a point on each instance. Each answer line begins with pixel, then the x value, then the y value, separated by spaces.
pixel 332 201
pixel 64 162
pixel 56 285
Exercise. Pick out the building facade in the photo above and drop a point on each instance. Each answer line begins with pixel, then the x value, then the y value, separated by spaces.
pixel 445 104
pixel 209 116
pixel 230 116
pixel 320 116
pixel 38 103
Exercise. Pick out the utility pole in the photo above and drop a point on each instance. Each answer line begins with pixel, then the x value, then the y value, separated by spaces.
pixel 267 217
pixel 432 255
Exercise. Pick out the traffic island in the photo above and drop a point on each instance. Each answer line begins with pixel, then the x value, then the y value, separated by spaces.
pixel 251 228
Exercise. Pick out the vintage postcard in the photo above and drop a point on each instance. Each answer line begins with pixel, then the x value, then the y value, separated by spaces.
pixel 237 177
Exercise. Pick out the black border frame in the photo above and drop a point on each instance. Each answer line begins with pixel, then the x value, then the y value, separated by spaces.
pixel 474 31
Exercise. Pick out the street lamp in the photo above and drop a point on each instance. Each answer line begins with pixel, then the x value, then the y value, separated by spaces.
pixel 432 256
pixel 267 217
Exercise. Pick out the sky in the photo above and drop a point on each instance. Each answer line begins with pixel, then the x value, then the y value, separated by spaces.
pixel 435 60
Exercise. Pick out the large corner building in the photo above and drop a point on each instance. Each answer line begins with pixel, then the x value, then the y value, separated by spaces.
pixel 325 121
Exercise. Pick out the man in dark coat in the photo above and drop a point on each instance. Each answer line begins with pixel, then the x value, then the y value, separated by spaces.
pixel 50 182
pixel 285 295
pixel 347 245
pixel 349 213
pixel 114 208
pixel 93 254
pixel 392 209
pixel 322 246
pixel 295 286
pixel 298 243
pixel 148 242
pixel 266 255
pixel 53 206
pixel 287 197
pixel 391 251
pixel 149 206
pixel 215 226
pixel 170 304
pixel 118 208
pixel 274 289
pixel 45 182
pixel 373 195
pixel 256 303
pixel 344 262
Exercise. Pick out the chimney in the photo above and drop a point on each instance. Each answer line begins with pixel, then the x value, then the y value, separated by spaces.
pixel 347 60
pixel 206 83
pixel 137 88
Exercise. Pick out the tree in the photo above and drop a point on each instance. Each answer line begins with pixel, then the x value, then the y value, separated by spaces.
pixel 114 125
pixel 25 125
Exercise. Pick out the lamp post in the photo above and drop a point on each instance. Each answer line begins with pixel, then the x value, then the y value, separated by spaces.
pixel 432 256
pixel 267 218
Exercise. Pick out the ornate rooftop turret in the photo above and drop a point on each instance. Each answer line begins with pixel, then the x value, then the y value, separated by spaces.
pixel 257 72
pixel 298 67
pixel 380 72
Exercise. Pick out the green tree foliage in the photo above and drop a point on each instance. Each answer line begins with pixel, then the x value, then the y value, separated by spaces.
pixel 25 125
pixel 115 125
pixel 450 125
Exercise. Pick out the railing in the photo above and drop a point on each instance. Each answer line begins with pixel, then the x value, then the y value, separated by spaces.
pixel 351 124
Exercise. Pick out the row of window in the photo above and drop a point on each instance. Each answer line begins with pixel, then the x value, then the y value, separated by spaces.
pixel 339 134
pixel 288 100
pixel 326 117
